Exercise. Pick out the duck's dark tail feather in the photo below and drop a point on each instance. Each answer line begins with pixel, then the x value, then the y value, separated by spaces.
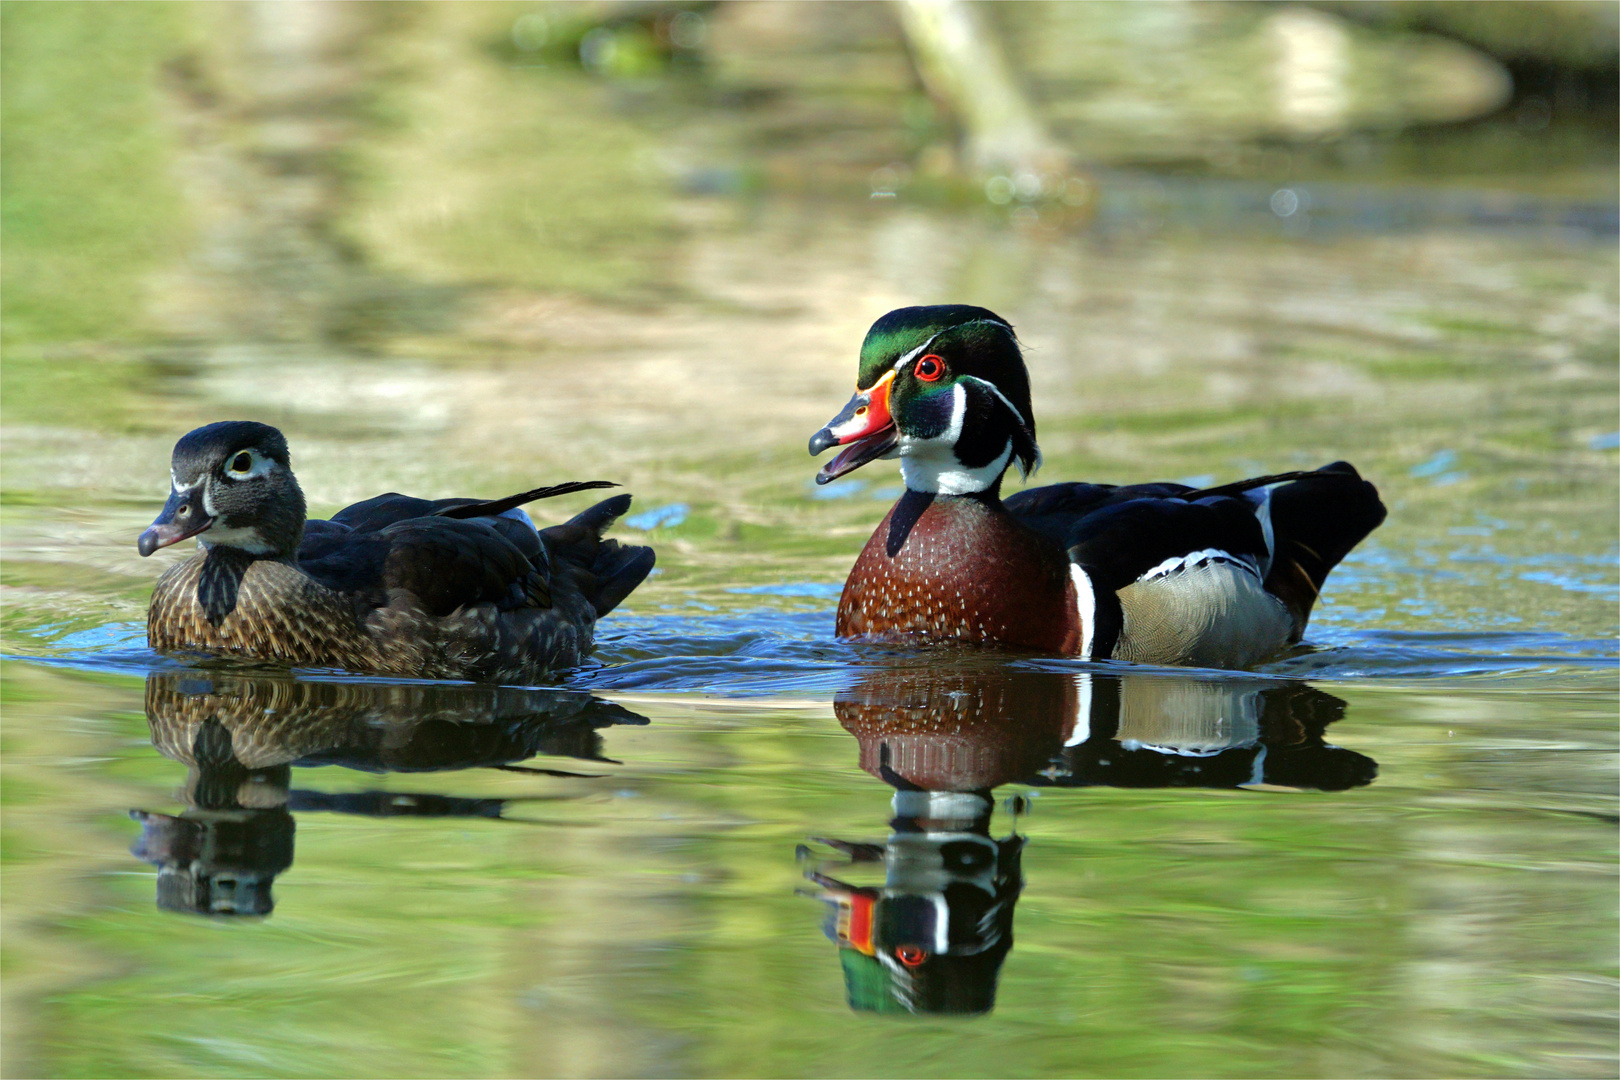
pixel 607 571
pixel 492 507
pixel 1316 520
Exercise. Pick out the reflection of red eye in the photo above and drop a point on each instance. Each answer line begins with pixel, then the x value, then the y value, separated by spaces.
pixel 930 368
pixel 910 955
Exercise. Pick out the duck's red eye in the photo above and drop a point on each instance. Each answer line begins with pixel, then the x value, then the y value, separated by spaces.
pixel 930 368
pixel 910 955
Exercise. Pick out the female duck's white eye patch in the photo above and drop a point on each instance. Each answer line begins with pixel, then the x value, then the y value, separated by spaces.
pixel 246 464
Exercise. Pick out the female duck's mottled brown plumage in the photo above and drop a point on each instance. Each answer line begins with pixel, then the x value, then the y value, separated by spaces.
pixel 457 588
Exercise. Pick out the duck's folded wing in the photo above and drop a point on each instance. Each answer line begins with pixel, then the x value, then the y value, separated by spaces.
pixel 1057 509
pixel 447 564
pixel 1315 521
pixel 1120 542
pixel 442 563
pixel 381 511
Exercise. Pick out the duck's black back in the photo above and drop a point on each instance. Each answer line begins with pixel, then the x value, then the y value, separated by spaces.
pixel 394 542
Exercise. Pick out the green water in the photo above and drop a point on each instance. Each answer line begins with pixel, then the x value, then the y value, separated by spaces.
pixel 446 266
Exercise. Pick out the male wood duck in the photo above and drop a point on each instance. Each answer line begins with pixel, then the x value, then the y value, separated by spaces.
pixel 1152 573
pixel 442 589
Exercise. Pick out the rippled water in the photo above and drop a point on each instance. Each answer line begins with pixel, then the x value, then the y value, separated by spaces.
pixel 733 845
pixel 1390 853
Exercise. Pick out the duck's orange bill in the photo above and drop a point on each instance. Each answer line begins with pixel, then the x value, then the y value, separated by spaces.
pixel 855 921
pixel 864 425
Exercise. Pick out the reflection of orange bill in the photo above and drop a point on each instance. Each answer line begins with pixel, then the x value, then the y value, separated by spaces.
pixel 855 921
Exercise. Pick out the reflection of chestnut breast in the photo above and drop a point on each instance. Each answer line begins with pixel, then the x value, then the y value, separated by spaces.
pixel 959 731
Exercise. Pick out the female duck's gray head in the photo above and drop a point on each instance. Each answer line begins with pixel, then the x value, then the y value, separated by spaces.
pixel 231 486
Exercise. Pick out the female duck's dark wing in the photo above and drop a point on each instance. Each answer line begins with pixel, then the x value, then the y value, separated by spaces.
pixel 382 511
pixel 444 563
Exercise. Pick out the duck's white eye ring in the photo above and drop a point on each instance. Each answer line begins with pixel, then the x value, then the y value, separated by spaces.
pixel 247 465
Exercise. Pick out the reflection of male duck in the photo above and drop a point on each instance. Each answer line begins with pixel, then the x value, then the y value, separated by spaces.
pixel 241 734
pixel 1152 731
pixel 933 937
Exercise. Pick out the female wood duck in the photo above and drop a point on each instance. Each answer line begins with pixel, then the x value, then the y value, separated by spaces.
pixel 445 589
pixel 1153 573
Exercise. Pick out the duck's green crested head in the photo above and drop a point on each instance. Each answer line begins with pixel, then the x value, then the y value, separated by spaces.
pixel 944 389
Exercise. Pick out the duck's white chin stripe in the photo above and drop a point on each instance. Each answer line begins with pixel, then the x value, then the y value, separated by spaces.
pixel 931 465
pixel 247 540
pixel 951 477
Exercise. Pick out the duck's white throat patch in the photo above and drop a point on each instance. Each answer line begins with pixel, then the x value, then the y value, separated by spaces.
pixel 942 474
pixel 247 540
pixel 931 465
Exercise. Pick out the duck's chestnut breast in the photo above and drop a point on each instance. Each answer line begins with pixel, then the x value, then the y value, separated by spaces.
pixel 960 568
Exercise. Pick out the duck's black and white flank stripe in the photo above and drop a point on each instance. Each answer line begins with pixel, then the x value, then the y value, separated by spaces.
pixel 1221 577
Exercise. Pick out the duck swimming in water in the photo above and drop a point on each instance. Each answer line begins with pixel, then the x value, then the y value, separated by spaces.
pixel 1154 573
pixel 442 589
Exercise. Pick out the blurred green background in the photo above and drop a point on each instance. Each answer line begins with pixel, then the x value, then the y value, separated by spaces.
pixel 472 247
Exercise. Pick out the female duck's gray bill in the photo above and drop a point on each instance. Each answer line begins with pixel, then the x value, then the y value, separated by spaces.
pixel 182 516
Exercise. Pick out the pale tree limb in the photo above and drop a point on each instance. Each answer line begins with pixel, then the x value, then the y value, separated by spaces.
pixel 963 64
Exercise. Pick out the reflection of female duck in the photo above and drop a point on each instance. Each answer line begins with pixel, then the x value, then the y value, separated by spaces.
pixel 933 937
pixel 241 734
pixel 377 727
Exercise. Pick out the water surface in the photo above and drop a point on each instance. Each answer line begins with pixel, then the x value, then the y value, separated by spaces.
pixel 731 844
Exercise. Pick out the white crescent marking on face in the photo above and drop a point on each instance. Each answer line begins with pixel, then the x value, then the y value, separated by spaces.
pixel 914 353
pixel 996 390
